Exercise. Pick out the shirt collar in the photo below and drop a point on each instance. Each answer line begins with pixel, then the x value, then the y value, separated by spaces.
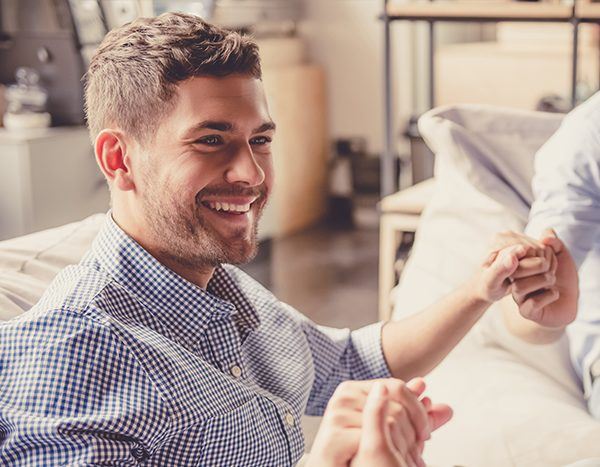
pixel 180 305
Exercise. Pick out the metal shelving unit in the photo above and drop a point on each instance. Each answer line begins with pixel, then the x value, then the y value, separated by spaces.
pixel 470 12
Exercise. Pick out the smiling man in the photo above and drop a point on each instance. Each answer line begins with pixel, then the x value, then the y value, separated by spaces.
pixel 155 349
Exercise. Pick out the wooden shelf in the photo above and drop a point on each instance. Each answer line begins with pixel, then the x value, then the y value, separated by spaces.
pixel 588 11
pixel 476 11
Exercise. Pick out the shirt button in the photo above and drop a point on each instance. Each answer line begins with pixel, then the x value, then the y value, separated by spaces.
pixel 236 371
pixel 289 419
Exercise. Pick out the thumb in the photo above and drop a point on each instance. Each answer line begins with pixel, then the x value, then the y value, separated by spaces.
pixel 416 385
pixel 439 414
pixel 550 239
pixel 505 264
pixel 374 416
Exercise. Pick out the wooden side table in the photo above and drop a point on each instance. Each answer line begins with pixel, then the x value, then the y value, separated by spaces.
pixel 400 213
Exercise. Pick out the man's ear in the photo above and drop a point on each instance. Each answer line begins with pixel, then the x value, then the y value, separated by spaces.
pixel 114 160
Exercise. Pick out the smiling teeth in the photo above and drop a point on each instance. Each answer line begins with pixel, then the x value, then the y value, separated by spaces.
pixel 228 207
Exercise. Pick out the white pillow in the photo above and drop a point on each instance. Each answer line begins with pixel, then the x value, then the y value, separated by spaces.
pixel 483 170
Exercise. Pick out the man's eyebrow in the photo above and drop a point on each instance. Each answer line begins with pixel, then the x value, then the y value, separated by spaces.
pixel 224 126
pixel 265 127
pixel 208 125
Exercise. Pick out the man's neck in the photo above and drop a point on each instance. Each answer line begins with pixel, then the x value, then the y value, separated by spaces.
pixel 199 276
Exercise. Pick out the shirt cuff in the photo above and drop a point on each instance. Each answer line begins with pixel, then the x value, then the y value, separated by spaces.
pixel 370 362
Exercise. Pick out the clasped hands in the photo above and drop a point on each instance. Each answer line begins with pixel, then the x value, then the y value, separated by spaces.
pixel 378 422
pixel 540 275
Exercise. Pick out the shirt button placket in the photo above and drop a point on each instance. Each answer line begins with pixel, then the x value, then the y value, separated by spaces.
pixel 289 419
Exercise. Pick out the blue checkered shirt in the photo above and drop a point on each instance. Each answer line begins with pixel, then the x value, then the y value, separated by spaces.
pixel 123 362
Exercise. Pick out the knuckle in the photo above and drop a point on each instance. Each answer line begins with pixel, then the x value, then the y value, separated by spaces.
pixel 338 419
pixel 344 387
pixel 519 299
pixel 396 387
pixel 526 308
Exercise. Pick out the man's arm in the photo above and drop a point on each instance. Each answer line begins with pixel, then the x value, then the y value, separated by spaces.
pixel 417 344
pixel 411 347
pixel 72 394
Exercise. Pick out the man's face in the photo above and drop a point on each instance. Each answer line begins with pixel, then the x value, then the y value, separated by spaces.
pixel 206 177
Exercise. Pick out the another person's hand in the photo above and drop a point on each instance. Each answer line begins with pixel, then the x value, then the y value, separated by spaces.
pixel 545 285
pixel 338 437
pixel 520 265
pixel 554 306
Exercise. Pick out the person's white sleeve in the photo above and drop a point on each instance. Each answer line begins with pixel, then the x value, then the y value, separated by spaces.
pixel 566 188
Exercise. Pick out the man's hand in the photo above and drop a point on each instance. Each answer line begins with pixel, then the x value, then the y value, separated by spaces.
pixel 493 281
pixel 338 438
pixel 376 446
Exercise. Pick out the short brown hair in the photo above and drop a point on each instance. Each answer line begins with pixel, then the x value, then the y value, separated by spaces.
pixel 133 75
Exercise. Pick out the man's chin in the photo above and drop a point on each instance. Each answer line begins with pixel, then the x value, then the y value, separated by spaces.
pixel 240 252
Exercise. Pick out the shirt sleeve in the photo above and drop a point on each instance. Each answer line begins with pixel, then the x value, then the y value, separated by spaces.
pixel 339 355
pixel 72 394
pixel 566 187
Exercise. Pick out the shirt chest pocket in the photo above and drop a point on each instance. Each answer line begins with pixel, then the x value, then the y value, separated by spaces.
pixel 252 434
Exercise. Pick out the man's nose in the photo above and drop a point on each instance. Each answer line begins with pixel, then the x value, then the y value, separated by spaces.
pixel 244 168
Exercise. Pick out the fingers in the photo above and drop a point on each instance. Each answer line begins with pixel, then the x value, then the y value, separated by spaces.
pixel 532 266
pixel 399 437
pixel 533 307
pixel 490 259
pixel 401 393
pixel 375 417
pixel 501 269
pixel 549 238
pixel 417 386
pixel 509 238
pixel 522 288
pixel 439 414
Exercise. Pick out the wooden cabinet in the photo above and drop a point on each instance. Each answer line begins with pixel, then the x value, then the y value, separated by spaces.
pixel 48 178
pixel 297 102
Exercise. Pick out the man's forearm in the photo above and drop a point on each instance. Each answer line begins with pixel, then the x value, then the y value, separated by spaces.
pixel 415 345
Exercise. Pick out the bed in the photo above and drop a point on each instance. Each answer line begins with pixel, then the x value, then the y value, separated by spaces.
pixel 516 404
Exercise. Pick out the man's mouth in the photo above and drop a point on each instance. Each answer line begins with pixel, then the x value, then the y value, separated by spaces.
pixel 230 206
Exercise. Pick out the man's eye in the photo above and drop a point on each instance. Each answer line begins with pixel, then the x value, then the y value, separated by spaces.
pixel 211 140
pixel 260 140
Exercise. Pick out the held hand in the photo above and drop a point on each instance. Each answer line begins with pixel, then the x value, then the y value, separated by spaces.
pixel 517 261
pixel 379 437
pixel 550 297
pixel 493 282
pixel 376 446
pixel 338 438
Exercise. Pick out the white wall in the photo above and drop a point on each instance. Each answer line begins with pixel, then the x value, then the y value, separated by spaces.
pixel 346 38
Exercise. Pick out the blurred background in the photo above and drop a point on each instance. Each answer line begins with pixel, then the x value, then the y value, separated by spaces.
pixel 331 69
